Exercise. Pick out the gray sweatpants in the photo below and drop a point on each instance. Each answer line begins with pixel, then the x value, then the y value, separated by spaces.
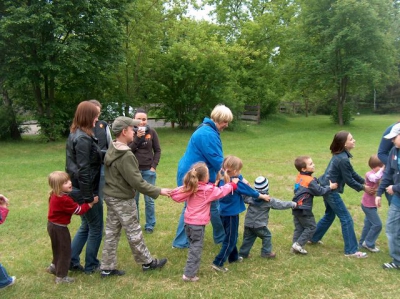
pixel 304 228
pixel 195 234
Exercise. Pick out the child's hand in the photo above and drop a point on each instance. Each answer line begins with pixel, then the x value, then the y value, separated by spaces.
pixel 378 201
pixel 333 185
pixel 265 197
pixel 165 192
pixel 235 180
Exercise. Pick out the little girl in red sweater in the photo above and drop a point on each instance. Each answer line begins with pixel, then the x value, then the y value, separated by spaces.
pixel 61 209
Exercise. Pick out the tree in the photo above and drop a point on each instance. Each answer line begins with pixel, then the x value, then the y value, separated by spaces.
pixel 343 47
pixel 55 52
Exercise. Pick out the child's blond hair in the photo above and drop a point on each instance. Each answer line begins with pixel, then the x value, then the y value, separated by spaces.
pixel 231 163
pixel 56 180
pixel 198 172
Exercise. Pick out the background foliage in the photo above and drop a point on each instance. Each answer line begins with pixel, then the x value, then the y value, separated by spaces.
pixel 313 55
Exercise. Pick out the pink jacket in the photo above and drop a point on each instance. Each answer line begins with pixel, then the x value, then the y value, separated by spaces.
pixel 372 179
pixel 198 204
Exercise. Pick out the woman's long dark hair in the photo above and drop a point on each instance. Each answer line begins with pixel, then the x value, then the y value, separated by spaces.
pixel 338 142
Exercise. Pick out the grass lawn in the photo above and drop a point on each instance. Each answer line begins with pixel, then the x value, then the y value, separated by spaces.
pixel 268 149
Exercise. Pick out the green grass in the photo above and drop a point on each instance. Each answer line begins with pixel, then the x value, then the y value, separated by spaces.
pixel 268 149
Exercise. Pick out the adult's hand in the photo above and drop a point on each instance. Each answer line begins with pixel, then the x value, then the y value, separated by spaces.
pixel 166 192
pixel 378 201
pixel 369 190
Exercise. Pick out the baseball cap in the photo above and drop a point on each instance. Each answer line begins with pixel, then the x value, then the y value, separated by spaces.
pixel 393 132
pixel 122 122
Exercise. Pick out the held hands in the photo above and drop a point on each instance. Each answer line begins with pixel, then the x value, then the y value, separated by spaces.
pixel 166 192
pixel 235 180
pixel 369 190
pixel 264 197
pixel 378 201
pixel 95 200
pixel 333 185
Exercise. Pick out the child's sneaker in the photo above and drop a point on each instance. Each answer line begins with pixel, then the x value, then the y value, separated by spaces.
pixel 358 254
pixel 155 264
pixel 218 268
pixel 297 248
pixel 191 279
pixel 270 255
pixel 65 279
pixel 108 273
pixel 13 280
pixel 375 249
pixel 51 269
pixel 315 243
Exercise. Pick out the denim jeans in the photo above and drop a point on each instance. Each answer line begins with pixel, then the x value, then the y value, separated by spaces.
pixel 150 177
pixel 228 250
pixel 334 206
pixel 90 233
pixel 5 279
pixel 372 227
pixel 250 235
pixel 393 233
pixel 181 240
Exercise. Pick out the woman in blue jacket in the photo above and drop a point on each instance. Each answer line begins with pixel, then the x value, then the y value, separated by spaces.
pixel 204 146
pixel 341 171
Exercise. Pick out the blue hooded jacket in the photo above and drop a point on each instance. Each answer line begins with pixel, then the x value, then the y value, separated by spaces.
pixel 204 146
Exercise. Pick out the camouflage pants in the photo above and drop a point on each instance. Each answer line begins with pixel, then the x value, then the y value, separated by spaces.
pixel 121 213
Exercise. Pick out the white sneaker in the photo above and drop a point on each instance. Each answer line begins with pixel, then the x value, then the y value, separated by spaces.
pixel 358 254
pixel 375 249
pixel 297 248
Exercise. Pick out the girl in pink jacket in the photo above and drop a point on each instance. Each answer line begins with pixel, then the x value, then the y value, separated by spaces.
pixel 198 194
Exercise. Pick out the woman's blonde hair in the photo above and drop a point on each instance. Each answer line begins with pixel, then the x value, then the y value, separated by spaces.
pixel 229 164
pixel 221 113
pixel 198 172
pixel 56 180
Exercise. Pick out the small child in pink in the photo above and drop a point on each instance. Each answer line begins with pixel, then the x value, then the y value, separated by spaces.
pixel 198 194
pixel 372 222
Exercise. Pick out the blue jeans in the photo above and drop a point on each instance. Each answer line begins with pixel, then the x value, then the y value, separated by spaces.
pixel 228 250
pixel 393 233
pixel 90 233
pixel 250 235
pixel 150 177
pixel 181 240
pixel 372 227
pixel 334 206
pixel 5 279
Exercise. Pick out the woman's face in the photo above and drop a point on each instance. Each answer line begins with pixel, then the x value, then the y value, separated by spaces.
pixel 222 125
pixel 350 142
pixel 143 119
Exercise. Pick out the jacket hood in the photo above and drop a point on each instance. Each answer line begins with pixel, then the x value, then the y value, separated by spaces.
pixel 116 151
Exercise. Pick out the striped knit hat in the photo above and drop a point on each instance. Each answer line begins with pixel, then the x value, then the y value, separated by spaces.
pixel 261 184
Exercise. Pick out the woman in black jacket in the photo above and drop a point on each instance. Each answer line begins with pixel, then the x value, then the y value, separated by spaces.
pixel 83 166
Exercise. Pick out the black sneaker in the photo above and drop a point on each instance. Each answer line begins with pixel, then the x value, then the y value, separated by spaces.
pixel 107 273
pixel 155 264
pixel 76 268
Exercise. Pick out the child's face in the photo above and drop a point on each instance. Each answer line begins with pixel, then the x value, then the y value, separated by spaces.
pixel 232 173
pixel 67 187
pixel 310 166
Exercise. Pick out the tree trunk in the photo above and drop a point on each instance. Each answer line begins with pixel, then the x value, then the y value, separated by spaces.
pixel 15 134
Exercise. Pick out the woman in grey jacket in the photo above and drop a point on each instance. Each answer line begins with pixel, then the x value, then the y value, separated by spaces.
pixel 341 171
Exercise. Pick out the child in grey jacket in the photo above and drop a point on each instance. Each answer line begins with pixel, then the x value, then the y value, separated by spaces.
pixel 256 220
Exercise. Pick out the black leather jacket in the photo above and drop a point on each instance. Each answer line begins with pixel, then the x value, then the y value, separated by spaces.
pixel 83 163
